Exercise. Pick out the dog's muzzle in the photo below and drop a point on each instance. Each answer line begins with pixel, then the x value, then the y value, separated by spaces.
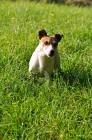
pixel 51 53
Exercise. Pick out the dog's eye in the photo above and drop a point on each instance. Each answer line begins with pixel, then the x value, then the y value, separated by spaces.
pixel 46 43
pixel 55 44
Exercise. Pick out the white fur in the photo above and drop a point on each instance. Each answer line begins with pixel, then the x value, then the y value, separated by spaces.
pixel 41 64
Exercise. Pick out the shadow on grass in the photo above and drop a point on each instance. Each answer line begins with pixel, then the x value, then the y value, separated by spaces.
pixel 70 77
pixel 77 77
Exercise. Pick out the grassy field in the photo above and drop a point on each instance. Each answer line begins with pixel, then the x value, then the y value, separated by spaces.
pixel 30 110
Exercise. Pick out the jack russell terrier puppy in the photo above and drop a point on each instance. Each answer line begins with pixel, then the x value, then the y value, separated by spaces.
pixel 45 58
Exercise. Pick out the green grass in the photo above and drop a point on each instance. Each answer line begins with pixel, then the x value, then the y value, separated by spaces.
pixel 30 110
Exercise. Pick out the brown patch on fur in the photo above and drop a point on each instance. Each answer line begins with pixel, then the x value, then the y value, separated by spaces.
pixel 42 33
pixel 47 40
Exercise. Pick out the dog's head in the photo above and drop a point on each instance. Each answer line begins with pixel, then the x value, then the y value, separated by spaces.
pixel 49 43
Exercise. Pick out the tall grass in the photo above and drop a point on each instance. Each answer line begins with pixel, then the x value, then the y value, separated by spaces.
pixel 30 110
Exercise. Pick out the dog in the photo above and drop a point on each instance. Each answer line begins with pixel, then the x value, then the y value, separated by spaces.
pixel 45 58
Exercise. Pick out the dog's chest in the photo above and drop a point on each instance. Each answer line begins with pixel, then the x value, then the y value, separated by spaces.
pixel 46 63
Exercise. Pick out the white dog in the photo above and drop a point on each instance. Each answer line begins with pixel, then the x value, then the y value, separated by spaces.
pixel 45 58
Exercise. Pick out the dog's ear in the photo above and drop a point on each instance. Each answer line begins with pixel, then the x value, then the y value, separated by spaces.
pixel 42 33
pixel 59 36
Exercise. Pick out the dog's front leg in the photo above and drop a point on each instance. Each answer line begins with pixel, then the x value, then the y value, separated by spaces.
pixel 47 75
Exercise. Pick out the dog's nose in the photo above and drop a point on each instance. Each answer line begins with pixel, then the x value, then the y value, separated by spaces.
pixel 52 52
